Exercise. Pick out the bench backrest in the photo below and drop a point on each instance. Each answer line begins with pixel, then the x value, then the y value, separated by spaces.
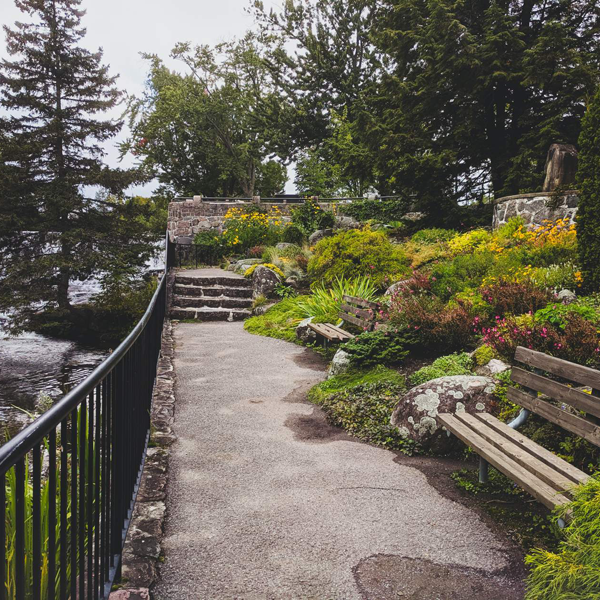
pixel 359 312
pixel 586 425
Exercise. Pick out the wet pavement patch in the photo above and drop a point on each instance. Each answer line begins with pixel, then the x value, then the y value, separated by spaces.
pixel 386 577
pixel 315 428
pixel 310 360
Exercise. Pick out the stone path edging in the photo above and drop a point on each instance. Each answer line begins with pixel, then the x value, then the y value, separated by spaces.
pixel 143 549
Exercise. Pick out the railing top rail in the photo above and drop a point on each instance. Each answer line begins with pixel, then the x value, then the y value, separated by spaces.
pixel 34 433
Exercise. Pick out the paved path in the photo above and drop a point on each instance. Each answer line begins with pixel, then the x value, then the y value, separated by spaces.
pixel 260 507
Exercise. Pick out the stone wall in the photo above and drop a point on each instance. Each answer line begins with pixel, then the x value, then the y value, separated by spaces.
pixel 191 216
pixel 534 209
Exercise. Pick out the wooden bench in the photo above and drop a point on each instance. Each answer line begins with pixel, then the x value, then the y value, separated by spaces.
pixel 359 312
pixel 541 473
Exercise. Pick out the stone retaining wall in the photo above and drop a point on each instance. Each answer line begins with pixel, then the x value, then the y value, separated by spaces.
pixel 534 209
pixel 189 217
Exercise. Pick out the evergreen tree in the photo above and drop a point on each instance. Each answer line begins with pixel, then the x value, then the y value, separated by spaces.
pixel 588 215
pixel 55 92
pixel 473 93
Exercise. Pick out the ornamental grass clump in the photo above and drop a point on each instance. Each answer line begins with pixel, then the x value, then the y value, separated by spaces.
pixel 573 572
pixel 325 301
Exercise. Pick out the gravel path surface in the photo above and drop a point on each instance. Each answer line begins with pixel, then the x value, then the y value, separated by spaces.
pixel 258 511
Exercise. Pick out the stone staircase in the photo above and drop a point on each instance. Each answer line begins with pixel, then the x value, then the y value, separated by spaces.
pixel 211 298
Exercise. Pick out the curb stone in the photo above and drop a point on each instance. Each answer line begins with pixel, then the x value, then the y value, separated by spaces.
pixel 142 550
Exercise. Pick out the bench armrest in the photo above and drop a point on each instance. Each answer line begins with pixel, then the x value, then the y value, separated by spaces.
pixel 520 419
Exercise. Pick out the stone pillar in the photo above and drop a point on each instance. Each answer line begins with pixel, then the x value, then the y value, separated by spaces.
pixel 561 167
pixel 255 199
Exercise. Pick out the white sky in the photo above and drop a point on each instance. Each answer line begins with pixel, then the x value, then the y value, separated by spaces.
pixel 124 28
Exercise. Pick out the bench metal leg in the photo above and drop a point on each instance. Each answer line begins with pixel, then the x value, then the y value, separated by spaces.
pixel 483 470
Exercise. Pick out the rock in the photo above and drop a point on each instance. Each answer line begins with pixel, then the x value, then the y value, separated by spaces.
pixel 318 235
pixel 396 287
pixel 283 245
pixel 561 167
pixel 304 333
pixel 292 282
pixel 415 414
pixel 130 593
pixel 261 310
pixel 345 222
pixel 494 367
pixel 241 266
pixel 264 281
pixel 340 363
pixel 567 296
pixel 184 240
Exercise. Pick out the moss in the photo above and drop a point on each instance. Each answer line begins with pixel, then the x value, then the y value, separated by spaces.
pixel 362 403
pixel 483 355
pixel 453 364
pixel 279 321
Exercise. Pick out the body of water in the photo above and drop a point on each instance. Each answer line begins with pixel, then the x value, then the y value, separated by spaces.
pixel 34 368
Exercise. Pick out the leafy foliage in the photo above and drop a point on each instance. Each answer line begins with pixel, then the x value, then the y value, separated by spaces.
pixel 362 403
pixel 355 253
pixel 572 571
pixel 588 215
pixel 453 364
pixel 244 228
pixel 309 217
pixel 325 301
pixel 373 348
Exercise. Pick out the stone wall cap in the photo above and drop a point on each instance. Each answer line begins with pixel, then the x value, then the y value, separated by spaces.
pixel 534 195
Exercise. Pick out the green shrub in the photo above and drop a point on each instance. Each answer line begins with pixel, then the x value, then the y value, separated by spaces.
pixel 363 405
pixel 211 248
pixel 374 348
pixel 557 314
pixel 325 301
pixel 251 226
pixel 431 236
pixel 309 217
pixel 383 211
pixel 357 252
pixel 292 234
pixel 571 573
pixel 279 321
pixel 453 364
pixel 588 214
pixel 483 355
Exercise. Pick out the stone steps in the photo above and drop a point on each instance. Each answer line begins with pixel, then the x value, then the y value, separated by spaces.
pixel 214 291
pixel 211 302
pixel 211 298
pixel 210 314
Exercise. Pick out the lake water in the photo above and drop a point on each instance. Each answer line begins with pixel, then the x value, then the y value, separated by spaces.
pixel 33 366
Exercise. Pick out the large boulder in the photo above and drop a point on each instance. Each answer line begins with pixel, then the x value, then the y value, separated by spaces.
pixel 318 235
pixel 415 414
pixel 566 296
pixel 304 333
pixel 264 281
pixel 340 363
pixel 397 287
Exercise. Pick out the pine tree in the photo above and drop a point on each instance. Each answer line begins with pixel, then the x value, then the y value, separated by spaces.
pixel 588 215
pixel 55 92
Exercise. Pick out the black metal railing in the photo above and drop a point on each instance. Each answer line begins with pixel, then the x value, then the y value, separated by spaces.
pixel 68 481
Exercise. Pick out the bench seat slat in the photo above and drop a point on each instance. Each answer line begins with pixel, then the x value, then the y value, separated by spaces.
pixel 547 457
pixel 356 321
pixel 547 474
pixel 568 421
pixel 557 391
pixel 359 312
pixel 525 479
pixel 360 302
pixel 331 332
pixel 558 366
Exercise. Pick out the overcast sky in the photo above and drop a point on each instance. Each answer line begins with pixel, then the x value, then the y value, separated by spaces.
pixel 124 28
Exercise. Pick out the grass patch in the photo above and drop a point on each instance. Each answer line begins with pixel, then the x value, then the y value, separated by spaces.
pixel 279 321
pixel 453 364
pixel 362 403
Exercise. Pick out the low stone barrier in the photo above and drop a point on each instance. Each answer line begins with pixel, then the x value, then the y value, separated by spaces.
pixel 536 208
